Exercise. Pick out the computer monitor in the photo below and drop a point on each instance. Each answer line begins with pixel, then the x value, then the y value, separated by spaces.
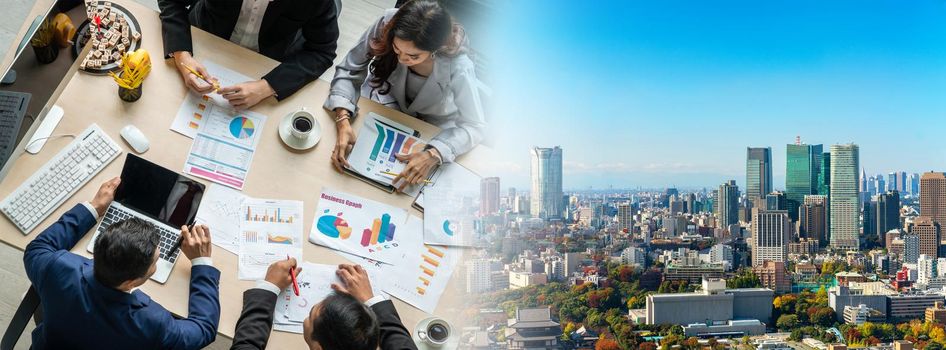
pixel 30 88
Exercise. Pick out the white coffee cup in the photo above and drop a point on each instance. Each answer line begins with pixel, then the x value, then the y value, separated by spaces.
pixel 301 124
pixel 434 331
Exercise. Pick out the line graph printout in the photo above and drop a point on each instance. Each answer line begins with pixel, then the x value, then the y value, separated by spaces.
pixel 266 241
pixel 220 210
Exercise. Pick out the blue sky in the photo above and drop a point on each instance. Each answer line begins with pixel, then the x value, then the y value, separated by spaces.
pixel 669 93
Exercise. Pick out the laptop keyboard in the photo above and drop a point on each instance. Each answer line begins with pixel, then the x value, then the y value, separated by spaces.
pixel 167 240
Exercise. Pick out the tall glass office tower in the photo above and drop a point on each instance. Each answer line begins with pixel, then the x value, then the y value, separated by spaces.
pixel 546 192
pixel 844 201
pixel 803 164
pixel 824 176
pixel 728 207
pixel 758 173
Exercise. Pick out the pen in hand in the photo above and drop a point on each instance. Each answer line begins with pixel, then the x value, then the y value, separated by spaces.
pixel 292 274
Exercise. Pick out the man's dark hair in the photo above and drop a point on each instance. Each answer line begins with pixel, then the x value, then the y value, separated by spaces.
pixel 345 323
pixel 125 251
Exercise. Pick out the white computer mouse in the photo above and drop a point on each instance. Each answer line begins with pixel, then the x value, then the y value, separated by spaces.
pixel 135 138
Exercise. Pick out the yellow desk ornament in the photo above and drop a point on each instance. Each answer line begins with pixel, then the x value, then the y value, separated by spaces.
pixel 135 67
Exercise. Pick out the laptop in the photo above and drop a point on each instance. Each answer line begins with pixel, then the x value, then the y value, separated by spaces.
pixel 159 196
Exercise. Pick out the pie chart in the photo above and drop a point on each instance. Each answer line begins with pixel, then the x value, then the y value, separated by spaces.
pixel 333 226
pixel 448 228
pixel 242 127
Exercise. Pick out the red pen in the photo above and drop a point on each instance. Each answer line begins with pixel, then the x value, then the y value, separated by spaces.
pixel 292 274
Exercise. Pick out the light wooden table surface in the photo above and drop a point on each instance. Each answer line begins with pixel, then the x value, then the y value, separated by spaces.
pixel 277 171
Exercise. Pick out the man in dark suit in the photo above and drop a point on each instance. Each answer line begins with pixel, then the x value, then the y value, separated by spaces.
pixel 302 34
pixel 352 318
pixel 96 305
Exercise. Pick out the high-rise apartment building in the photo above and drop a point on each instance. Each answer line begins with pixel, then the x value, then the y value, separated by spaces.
pixel 625 216
pixel 844 200
pixel 489 196
pixel 813 219
pixel 728 206
pixel 546 191
pixel 886 213
pixel 770 235
pixel 928 231
pixel 933 196
pixel 758 173
pixel 803 164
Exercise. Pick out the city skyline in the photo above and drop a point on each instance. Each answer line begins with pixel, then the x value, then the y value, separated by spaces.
pixel 676 96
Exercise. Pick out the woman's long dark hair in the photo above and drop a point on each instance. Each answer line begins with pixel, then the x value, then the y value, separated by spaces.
pixel 425 23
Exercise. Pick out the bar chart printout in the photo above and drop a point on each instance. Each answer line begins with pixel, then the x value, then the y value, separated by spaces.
pixel 272 230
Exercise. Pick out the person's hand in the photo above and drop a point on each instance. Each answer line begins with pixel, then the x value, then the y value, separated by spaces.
pixel 343 143
pixel 248 94
pixel 355 280
pixel 196 84
pixel 278 273
pixel 103 198
pixel 419 166
pixel 195 243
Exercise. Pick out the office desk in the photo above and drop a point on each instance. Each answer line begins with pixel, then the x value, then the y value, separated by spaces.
pixel 277 171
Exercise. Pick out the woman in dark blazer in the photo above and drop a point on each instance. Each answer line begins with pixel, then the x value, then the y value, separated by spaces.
pixel 301 34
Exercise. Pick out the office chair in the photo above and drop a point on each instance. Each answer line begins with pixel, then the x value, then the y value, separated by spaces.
pixel 29 308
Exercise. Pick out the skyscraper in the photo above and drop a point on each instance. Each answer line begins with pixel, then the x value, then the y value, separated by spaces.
pixel 927 230
pixel 775 201
pixel 770 230
pixel 933 196
pixel 844 200
pixel 886 213
pixel 758 173
pixel 813 218
pixel 625 216
pixel 489 196
pixel 728 206
pixel 803 164
pixel 870 221
pixel 546 191
pixel 824 176
pixel 914 184
pixel 892 182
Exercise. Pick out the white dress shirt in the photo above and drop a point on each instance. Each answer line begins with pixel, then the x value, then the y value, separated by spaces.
pixel 246 31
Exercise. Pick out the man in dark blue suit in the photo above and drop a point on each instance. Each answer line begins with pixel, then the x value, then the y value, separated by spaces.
pixel 97 305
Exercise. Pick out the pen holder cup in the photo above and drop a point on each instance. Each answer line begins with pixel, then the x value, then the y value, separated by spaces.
pixel 129 95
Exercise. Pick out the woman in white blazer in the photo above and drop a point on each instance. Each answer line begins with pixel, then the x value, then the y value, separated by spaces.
pixel 413 59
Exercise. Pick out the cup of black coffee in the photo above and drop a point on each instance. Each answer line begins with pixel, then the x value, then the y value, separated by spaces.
pixel 436 332
pixel 302 124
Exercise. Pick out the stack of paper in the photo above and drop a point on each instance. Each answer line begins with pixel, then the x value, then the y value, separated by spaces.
pixel 259 231
pixel 450 207
pixel 315 284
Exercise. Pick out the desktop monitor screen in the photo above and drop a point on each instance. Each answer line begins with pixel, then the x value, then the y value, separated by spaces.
pixel 32 81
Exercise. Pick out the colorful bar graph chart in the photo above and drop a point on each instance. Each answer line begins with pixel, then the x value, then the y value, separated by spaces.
pixel 382 230
pixel 276 216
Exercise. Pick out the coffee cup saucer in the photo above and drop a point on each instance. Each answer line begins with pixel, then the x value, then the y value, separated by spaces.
pixel 285 133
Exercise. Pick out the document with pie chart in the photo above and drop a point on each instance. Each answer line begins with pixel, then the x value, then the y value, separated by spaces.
pixel 224 146
pixel 450 207
pixel 360 226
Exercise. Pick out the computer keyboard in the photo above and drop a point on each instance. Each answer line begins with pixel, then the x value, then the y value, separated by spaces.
pixel 166 243
pixel 12 110
pixel 59 178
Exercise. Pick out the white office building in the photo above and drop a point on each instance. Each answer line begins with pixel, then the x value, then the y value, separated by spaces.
pixel 546 191
pixel 478 276
pixel 770 231
pixel 633 256
pixel 845 203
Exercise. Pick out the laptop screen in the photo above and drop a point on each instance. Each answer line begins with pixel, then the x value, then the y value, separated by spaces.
pixel 159 193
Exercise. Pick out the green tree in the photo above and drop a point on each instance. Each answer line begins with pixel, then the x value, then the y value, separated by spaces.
pixel 787 322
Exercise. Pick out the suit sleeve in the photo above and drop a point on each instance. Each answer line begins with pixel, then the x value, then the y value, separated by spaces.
pixel 256 320
pixel 203 314
pixel 61 236
pixel 320 39
pixel 393 334
pixel 175 26
pixel 351 72
pixel 468 132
